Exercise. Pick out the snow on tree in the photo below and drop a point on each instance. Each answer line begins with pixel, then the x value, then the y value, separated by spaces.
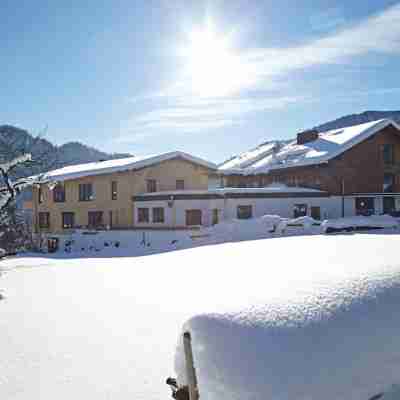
pixel 15 231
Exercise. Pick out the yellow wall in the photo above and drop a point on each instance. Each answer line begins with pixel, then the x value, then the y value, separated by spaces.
pixel 129 183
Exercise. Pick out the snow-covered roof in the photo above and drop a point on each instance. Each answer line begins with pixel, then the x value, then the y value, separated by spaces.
pixel 328 145
pixel 249 157
pixel 118 165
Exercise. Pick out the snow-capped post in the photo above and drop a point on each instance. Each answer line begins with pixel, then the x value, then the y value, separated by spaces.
pixel 190 370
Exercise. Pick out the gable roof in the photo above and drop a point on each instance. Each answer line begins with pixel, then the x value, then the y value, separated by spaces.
pixel 119 165
pixel 329 145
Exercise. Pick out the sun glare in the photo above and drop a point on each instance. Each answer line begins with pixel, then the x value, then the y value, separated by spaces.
pixel 212 65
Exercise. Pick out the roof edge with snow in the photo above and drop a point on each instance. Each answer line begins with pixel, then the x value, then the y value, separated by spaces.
pixel 120 165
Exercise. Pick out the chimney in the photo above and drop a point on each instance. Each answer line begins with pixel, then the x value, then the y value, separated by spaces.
pixel 307 136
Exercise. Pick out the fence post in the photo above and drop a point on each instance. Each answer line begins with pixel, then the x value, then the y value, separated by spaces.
pixel 190 370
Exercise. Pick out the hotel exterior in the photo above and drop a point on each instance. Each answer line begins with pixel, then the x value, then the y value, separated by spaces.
pixel 350 171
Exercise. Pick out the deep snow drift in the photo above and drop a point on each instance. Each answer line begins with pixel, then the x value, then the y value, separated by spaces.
pixel 303 317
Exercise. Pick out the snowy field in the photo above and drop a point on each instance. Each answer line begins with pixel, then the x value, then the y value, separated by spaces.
pixel 107 328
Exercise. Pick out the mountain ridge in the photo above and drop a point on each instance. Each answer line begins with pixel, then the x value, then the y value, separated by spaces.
pixel 51 156
pixel 356 119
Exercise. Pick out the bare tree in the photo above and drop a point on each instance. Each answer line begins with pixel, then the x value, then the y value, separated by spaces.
pixel 16 160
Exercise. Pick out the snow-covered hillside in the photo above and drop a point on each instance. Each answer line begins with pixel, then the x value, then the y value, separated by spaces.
pixel 50 156
pixel 107 328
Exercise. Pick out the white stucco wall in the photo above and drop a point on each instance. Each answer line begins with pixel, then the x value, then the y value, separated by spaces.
pixel 175 215
pixel 168 214
pixel 330 206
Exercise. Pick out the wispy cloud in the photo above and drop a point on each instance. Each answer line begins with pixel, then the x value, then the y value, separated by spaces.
pixel 190 116
pixel 379 34
pixel 175 110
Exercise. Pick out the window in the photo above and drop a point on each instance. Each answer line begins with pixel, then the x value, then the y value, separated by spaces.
pixel 389 205
pixel 40 195
pixel 44 220
pixel 151 186
pixel 300 210
pixel 180 184
pixel 193 217
pixel 388 153
pixel 59 194
pixel 114 190
pixel 95 219
pixel 244 212
pixel 68 220
pixel 86 192
pixel 143 215
pixel 158 215
pixel 110 219
pixel 365 206
pixel 215 216
pixel 388 183
pixel 316 212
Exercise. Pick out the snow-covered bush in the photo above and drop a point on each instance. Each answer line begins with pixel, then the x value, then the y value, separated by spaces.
pixel 360 223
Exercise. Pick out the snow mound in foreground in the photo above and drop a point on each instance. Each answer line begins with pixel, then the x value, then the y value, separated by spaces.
pixel 332 335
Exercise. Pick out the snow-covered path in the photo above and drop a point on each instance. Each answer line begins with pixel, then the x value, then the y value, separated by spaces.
pixel 106 328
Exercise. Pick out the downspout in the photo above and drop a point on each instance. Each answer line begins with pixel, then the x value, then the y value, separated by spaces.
pixel 35 197
pixel 342 198
pixel 35 210
pixel 225 206
pixel 172 199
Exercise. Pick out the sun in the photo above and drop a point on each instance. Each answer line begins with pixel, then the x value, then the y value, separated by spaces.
pixel 211 64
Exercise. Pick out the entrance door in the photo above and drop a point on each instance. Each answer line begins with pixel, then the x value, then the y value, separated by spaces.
pixel 388 205
pixel 193 217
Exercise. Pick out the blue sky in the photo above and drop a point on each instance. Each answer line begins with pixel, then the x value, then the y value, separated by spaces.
pixel 211 78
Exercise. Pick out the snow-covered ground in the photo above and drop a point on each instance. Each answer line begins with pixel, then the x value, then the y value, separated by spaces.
pixel 129 243
pixel 107 328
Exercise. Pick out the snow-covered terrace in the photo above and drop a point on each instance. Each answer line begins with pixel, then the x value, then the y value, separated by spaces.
pixel 329 144
pixel 120 165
